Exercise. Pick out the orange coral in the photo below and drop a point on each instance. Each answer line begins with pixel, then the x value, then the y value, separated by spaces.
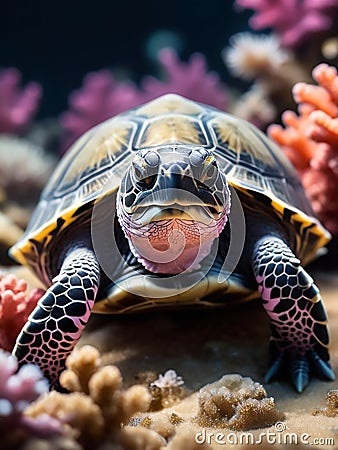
pixel 15 307
pixel 310 140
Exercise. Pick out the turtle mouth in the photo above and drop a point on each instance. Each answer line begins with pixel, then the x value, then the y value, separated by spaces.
pixel 171 239
pixel 195 213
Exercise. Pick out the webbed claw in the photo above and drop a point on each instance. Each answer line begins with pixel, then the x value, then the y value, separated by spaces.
pixel 299 344
pixel 299 369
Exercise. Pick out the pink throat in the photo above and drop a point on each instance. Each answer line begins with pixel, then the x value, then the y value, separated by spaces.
pixel 175 245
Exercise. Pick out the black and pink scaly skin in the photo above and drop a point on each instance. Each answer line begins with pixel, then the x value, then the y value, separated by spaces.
pixel 58 320
pixel 293 303
pixel 298 320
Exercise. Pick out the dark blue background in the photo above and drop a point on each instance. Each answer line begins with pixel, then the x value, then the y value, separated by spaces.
pixel 56 42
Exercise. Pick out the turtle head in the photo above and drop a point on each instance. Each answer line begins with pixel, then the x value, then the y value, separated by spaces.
pixel 172 203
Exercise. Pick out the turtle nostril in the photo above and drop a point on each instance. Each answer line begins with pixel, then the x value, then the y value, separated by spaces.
pixel 138 173
pixel 212 171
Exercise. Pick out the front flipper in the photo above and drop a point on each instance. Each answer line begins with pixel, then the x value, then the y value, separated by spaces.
pixel 299 342
pixel 56 323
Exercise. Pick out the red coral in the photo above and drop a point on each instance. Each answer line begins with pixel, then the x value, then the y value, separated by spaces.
pixel 17 106
pixel 15 307
pixel 101 96
pixel 293 20
pixel 310 140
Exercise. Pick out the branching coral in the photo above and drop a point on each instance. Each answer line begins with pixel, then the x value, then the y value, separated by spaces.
pixel 293 20
pixel 17 106
pixel 190 79
pixel 101 96
pixel 237 403
pixel 15 307
pixel 310 140
pixel 17 391
pixel 98 404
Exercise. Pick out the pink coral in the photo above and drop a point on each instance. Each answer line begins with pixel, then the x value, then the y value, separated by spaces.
pixel 17 106
pixel 101 96
pixel 293 20
pixel 15 307
pixel 310 140
pixel 190 79
pixel 18 388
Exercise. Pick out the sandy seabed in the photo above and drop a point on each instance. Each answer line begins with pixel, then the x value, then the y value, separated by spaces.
pixel 202 346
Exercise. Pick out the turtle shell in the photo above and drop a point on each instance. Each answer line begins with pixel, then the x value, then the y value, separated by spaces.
pixel 96 163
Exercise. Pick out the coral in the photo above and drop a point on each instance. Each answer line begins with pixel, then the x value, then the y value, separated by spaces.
pixel 17 106
pixel 331 407
pixel 141 439
pixel 185 438
pixel 17 391
pixel 53 443
pixel 294 21
pixel 237 403
pixel 310 140
pixel 250 56
pixel 102 97
pixel 24 169
pixel 15 307
pixel 190 79
pixel 274 70
pixel 97 407
pixel 166 390
pixel 169 380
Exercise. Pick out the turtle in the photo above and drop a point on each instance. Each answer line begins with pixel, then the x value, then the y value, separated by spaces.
pixel 175 204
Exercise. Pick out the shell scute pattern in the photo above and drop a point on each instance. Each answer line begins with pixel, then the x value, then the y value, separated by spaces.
pixel 167 130
pixel 96 163
pixel 90 157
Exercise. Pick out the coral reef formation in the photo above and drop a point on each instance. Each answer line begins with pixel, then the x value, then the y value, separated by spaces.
pixel 293 21
pixel 310 140
pixel 99 412
pixel 237 403
pixel 18 106
pixel 190 79
pixel 97 404
pixel 18 388
pixel 273 70
pixel 15 307
pixel 331 407
pixel 300 37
